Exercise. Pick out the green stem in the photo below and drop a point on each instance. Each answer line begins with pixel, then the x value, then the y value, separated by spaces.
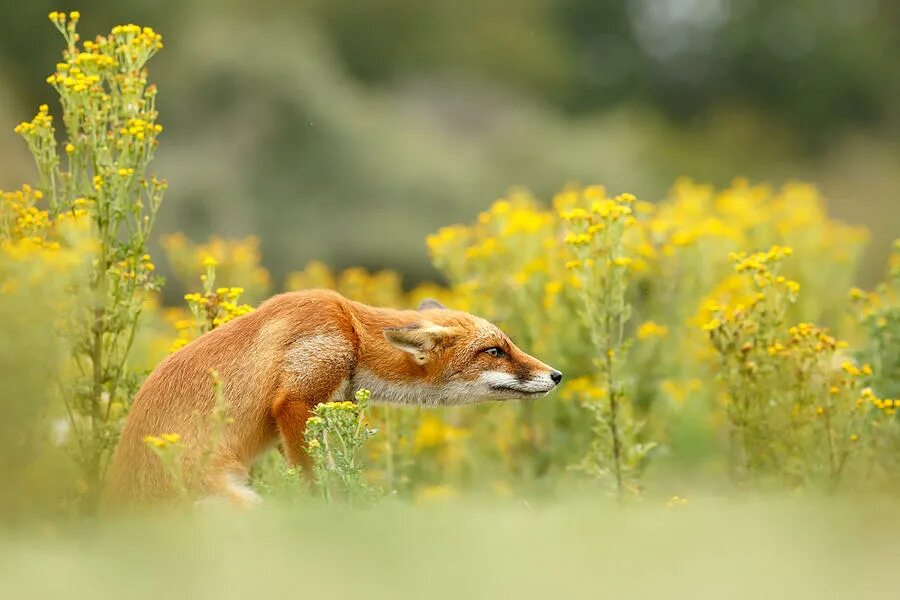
pixel 613 416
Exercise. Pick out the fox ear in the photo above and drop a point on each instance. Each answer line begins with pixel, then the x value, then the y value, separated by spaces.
pixel 417 339
pixel 431 304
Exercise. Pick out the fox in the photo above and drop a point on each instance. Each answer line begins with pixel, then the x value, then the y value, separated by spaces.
pixel 295 351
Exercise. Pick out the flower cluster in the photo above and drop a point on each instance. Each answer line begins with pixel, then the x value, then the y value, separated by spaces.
pixel 650 329
pixel 95 188
pixel 335 436
pixel 794 415
pixel 162 441
pixel 211 308
pixel 571 276
pixel 878 313
pixel 237 262
pixel 580 388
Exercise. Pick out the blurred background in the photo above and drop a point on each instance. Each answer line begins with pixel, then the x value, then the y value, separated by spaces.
pixel 346 130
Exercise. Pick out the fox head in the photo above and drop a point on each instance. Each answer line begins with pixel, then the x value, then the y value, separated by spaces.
pixel 464 358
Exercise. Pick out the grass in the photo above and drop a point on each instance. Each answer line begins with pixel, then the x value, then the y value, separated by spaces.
pixel 785 547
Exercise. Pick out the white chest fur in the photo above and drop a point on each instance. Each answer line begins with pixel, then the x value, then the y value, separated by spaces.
pixel 414 394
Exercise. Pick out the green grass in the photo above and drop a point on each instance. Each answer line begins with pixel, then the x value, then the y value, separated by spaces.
pixel 711 548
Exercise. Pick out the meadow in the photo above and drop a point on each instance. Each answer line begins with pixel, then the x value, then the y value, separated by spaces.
pixel 729 407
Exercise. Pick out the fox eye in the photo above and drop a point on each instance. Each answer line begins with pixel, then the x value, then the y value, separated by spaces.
pixel 494 351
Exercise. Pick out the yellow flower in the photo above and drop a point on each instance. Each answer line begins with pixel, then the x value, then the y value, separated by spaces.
pixel 155 441
pixel 649 329
pixel 712 325
pixel 501 207
pixel 433 432
pixel 593 192
pixel 434 493
pixel 574 215
pixel 850 368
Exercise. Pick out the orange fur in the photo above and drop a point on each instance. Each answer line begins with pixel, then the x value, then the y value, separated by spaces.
pixel 296 351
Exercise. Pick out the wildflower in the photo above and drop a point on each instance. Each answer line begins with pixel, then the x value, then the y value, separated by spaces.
pixel 649 329
pixel 575 215
pixel 501 207
pixel 712 325
pixel 434 493
pixel 154 441
pixel 850 368
pixel 578 239
pixel 592 192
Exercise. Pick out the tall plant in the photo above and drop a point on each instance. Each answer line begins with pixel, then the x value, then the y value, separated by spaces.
pixel 596 236
pixel 108 137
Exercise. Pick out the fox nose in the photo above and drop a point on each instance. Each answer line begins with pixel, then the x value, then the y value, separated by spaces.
pixel 556 376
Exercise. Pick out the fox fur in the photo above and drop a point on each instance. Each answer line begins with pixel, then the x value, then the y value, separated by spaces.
pixel 298 350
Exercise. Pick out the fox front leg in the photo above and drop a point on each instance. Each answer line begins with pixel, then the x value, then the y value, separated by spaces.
pixel 312 376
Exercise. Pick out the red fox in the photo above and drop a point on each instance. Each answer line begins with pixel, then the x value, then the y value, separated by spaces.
pixel 298 350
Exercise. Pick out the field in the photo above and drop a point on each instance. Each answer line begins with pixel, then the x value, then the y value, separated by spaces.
pixel 776 548
pixel 727 423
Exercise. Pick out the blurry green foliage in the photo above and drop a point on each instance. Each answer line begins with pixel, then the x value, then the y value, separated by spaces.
pixel 377 121
pixel 819 64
